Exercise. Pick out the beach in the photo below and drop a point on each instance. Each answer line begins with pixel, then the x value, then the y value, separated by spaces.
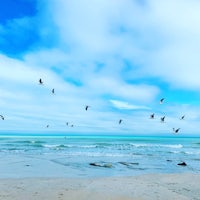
pixel 143 187
pixel 112 168
pixel 99 100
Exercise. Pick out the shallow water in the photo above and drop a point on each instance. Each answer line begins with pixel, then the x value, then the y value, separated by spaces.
pixel 60 156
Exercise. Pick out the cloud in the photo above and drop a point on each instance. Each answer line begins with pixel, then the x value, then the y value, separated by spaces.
pixel 103 54
pixel 160 38
pixel 126 106
pixel 176 60
pixel 118 88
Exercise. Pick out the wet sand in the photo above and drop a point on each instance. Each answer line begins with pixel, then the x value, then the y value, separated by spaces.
pixel 154 186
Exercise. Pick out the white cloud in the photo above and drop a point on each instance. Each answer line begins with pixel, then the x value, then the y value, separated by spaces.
pixel 175 60
pixel 88 65
pixel 160 38
pixel 126 106
pixel 118 88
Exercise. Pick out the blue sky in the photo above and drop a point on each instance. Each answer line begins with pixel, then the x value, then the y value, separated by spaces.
pixel 118 56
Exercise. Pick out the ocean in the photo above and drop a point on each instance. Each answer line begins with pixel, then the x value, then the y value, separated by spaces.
pixel 96 156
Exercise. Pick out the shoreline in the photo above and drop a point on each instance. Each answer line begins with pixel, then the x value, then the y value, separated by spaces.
pixel 183 186
pixel 79 135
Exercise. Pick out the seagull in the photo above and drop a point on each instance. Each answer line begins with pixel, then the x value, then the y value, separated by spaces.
pixel 40 82
pixel 176 130
pixel 162 119
pixel 53 91
pixel 67 123
pixel 183 117
pixel 152 116
pixel 47 126
pixel 86 107
pixel 72 125
pixel 120 121
pixel 2 117
pixel 161 101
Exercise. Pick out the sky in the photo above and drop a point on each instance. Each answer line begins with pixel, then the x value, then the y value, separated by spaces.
pixel 120 57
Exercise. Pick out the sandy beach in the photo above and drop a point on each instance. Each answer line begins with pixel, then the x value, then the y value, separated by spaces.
pixel 99 168
pixel 143 187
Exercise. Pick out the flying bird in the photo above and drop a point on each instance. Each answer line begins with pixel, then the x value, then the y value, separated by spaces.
pixel 162 119
pixel 2 117
pixel 152 116
pixel 47 126
pixel 161 100
pixel 40 81
pixel 176 130
pixel 86 107
pixel 183 117
pixel 67 123
pixel 53 91
pixel 120 121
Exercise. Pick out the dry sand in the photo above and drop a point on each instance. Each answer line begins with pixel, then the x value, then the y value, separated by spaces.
pixel 152 187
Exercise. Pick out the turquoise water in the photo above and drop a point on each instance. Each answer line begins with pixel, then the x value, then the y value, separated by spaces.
pixel 61 156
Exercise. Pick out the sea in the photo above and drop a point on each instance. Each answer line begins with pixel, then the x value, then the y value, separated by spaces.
pixel 96 156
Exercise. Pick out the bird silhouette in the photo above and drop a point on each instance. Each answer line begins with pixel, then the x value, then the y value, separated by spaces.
pixel 176 130
pixel 120 121
pixel 47 126
pixel 162 119
pixel 183 117
pixel 2 117
pixel 40 81
pixel 67 123
pixel 86 107
pixel 161 100
pixel 152 116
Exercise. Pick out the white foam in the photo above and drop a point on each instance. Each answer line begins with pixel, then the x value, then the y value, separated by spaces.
pixel 176 146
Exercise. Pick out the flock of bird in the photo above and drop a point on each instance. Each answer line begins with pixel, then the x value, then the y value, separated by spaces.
pixel 162 119
pixel 152 116
pixel 53 92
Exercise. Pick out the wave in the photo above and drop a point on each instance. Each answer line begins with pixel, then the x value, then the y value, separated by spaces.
pixel 191 152
pixel 175 146
pixel 185 152
pixel 174 152
pixel 97 154
pixel 50 146
pixel 53 146
pixel 81 146
pixel 12 150
pixel 130 146
pixel 29 142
